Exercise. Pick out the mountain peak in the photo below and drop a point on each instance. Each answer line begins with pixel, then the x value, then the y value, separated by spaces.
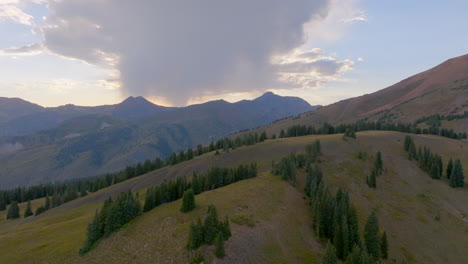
pixel 136 100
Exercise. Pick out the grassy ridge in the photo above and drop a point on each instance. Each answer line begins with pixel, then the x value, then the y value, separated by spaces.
pixel 408 204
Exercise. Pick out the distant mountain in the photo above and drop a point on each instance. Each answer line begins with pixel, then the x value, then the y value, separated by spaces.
pixel 86 141
pixel 441 90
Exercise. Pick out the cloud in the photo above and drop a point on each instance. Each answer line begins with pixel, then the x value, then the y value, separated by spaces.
pixel 182 49
pixel 179 50
pixel 10 11
pixel 32 49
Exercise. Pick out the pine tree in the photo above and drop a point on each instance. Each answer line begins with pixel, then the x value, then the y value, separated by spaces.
pixel 219 242
pixel 330 255
pixel 210 227
pixel 28 211
pixel 384 246
pixel 355 256
pixel 13 211
pixel 456 178
pixel 371 179
pixel 2 203
pixel 378 163
pixel 449 168
pixel 195 236
pixel 92 235
pixel 47 203
pixel 226 229
pixel 188 201
pixel 371 236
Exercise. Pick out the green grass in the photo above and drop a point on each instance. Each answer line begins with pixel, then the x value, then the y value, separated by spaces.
pixel 406 199
pixel 243 219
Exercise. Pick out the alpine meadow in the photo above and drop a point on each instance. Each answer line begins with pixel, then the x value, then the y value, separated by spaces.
pixel 315 132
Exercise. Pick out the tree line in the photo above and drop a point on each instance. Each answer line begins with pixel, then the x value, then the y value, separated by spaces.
pixel 114 214
pixel 71 189
pixel 432 163
pixel 349 129
pixel 171 190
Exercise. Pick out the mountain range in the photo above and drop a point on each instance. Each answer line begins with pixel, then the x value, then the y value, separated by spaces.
pixel 41 144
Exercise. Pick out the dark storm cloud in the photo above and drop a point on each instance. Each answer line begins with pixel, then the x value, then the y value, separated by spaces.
pixel 180 49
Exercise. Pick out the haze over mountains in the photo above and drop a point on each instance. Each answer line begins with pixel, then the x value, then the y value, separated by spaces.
pixel 47 144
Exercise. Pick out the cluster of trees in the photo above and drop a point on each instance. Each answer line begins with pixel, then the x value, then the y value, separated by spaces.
pixel 349 132
pixel 112 216
pixel 435 121
pixel 215 177
pixel 211 231
pixel 326 128
pixel 188 201
pixel 377 170
pixel 455 173
pixel 334 217
pixel 288 165
pixel 431 162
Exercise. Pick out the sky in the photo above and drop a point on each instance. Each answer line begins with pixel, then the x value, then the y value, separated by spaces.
pixel 180 52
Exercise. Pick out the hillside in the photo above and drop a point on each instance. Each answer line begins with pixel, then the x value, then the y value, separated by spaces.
pixel 131 132
pixel 415 210
pixel 441 90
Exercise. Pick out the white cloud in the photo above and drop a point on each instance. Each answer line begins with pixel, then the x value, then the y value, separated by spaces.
pixel 9 11
pixel 32 49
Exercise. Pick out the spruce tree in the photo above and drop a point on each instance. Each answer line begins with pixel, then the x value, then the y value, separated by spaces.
pixel 355 256
pixel 210 227
pixel 188 201
pixel 219 243
pixel 371 179
pixel 384 246
pixel 2 203
pixel 371 236
pixel 330 255
pixel 456 178
pixel 28 211
pixel 378 163
pixel 13 211
pixel 449 168
pixel 47 203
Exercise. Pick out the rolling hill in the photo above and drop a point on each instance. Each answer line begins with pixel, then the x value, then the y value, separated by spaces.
pixel 84 143
pixel 442 90
pixel 415 210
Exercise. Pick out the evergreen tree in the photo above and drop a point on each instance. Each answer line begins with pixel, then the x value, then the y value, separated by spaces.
pixel 13 211
pixel 330 255
pixel 449 168
pixel 371 236
pixel 28 211
pixel 226 229
pixel 195 236
pixel 47 203
pixel 2 203
pixel 355 256
pixel 384 246
pixel 210 227
pixel 456 178
pixel 92 235
pixel 219 243
pixel 188 201
pixel 371 179
pixel 378 163
pixel 40 210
